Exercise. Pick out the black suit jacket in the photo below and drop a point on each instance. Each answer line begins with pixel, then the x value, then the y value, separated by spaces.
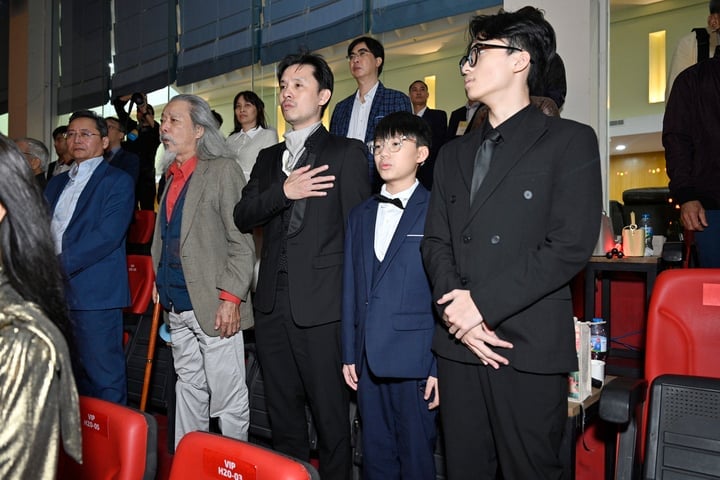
pixel 532 227
pixel 456 116
pixel 437 119
pixel 315 242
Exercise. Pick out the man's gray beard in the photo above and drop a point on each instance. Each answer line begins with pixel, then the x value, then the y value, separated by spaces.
pixel 168 158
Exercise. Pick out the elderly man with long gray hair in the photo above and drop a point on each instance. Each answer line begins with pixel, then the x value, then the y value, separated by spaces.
pixel 204 268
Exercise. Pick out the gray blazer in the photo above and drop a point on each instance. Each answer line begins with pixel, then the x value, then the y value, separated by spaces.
pixel 214 254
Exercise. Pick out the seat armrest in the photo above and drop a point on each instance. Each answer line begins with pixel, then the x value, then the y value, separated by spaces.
pixel 620 397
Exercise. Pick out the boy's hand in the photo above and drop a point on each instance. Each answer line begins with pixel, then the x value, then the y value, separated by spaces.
pixel 351 377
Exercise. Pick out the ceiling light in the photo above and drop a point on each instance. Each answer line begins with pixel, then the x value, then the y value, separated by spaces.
pixel 620 148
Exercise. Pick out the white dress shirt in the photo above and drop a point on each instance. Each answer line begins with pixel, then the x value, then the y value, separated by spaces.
pixel 361 114
pixel 80 174
pixel 388 218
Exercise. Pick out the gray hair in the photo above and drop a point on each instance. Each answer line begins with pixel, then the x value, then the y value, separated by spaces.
pixel 38 150
pixel 212 143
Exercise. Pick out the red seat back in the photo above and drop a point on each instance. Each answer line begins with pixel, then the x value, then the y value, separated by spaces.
pixel 141 278
pixel 683 329
pixel 201 456
pixel 142 227
pixel 117 443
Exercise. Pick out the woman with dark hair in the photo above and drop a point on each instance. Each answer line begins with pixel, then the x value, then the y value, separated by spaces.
pixel 251 133
pixel 38 398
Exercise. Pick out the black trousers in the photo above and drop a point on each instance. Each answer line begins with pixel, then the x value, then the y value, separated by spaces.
pixel 304 365
pixel 503 420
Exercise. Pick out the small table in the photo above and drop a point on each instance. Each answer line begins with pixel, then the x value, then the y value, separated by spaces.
pixel 647 266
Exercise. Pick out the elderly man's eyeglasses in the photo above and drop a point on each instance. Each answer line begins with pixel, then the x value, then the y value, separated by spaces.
pixel 83 135
pixel 355 55
pixel 474 53
pixel 392 145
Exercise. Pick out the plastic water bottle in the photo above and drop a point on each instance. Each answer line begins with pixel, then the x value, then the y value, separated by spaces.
pixel 647 226
pixel 598 339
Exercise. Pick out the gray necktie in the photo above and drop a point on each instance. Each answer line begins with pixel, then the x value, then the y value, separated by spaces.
pixel 482 161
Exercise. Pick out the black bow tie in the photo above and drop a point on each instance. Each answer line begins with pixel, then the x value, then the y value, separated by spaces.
pixel 394 201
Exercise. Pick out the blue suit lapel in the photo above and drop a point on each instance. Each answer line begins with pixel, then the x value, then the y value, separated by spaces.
pixel 374 112
pixel 409 218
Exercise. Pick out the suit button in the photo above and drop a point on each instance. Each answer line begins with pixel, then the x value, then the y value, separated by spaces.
pixel 495 239
pixel 463 281
pixel 467 238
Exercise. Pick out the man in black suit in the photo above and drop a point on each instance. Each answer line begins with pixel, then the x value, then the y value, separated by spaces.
pixel 502 241
pixel 301 192
pixel 437 120
pixel 118 156
pixel 461 119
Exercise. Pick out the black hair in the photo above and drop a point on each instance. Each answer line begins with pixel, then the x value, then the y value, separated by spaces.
pixel 218 118
pixel 420 82
pixel 404 123
pixel 59 131
pixel 714 6
pixel 525 29
pixel 250 97
pixel 121 127
pixel 100 122
pixel 375 47
pixel 26 244
pixel 321 71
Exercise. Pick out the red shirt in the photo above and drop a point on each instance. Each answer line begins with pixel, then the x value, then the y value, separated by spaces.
pixel 180 175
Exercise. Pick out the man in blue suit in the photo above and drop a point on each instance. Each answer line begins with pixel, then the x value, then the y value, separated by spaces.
pixel 117 156
pixel 387 321
pixel 358 115
pixel 91 207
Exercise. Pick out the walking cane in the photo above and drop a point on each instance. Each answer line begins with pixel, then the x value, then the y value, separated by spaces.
pixel 150 354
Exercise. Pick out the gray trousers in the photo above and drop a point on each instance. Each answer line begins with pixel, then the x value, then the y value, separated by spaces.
pixel 210 379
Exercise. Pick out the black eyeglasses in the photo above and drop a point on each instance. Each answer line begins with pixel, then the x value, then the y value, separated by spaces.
pixel 474 53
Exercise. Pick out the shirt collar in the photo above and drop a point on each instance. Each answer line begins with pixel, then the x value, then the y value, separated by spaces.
pixel 404 196
pixel 184 170
pixel 509 127
pixel 370 95
pixel 84 168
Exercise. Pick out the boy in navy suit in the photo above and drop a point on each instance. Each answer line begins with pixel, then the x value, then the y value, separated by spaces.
pixel 388 322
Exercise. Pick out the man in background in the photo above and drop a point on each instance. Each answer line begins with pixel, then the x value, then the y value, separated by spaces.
pixel 64 160
pixel 692 154
pixel 437 120
pixel 698 45
pixel 118 156
pixel 357 115
pixel 37 155
pixel 143 139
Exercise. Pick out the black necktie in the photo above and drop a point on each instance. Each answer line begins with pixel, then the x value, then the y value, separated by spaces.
pixel 482 161
pixel 394 201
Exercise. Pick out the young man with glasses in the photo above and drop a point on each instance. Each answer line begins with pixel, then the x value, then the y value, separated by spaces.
pixel 512 219
pixel 91 208
pixel 357 115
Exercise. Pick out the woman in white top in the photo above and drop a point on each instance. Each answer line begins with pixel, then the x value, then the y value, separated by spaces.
pixel 251 133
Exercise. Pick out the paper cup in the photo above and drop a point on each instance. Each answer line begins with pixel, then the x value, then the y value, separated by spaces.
pixel 657 244
pixel 597 370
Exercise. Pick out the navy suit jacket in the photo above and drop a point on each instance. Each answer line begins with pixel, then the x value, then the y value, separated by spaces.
pixel 437 119
pixel 385 101
pixel 93 256
pixel 128 162
pixel 389 315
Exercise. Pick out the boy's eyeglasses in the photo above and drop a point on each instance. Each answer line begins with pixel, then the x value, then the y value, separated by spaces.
pixel 393 145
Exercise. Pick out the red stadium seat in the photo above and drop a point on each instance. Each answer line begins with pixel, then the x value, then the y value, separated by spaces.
pixel 202 456
pixel 142 227
pixel 142 278
pixel 119 443
pixel 682 338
